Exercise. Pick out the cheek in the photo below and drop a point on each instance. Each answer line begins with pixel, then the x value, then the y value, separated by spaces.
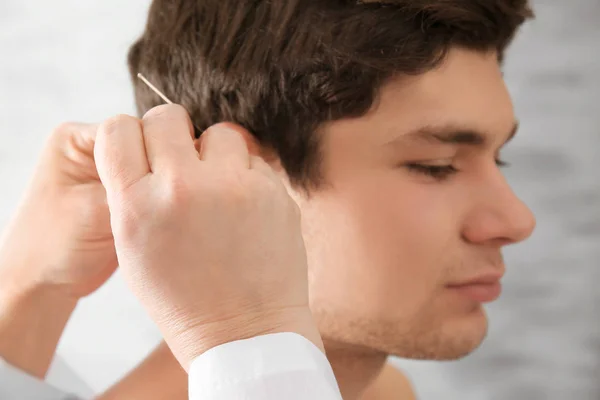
pixel 378 244
pixel 407 230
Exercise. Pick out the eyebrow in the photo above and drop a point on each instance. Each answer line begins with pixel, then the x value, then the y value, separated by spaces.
pixel 450 134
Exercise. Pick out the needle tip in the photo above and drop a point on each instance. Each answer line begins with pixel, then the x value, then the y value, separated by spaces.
pixel 153 88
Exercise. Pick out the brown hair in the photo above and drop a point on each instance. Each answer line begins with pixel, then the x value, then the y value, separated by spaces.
pixel 281 68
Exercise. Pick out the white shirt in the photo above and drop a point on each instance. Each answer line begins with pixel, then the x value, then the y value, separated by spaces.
pixel 270 367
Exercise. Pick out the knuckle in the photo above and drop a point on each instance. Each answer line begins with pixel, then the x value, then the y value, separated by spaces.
pixel 178 191
pixel 68 131
pixel 63 128
pixel 165 111
pixel 208 133
pixel 116 123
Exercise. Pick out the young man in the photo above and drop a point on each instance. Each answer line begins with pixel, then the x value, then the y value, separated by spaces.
pixel 386 121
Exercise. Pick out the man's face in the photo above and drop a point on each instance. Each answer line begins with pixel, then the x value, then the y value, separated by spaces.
pixel 417 204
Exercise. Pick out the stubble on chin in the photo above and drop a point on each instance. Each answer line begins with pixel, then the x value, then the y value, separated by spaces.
pixel 421 340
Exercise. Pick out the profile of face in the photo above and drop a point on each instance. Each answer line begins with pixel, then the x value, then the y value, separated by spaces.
pixel 417 204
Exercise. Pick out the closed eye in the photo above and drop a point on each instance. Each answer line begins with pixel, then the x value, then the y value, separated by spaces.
pixel 441 172
pixel 438 172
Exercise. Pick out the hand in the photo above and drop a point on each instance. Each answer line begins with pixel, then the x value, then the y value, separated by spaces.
pixel 57 249
pixel 211 242
pixel 61 236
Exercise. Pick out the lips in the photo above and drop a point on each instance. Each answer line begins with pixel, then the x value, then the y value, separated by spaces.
pixel 479 292
pixel 483 288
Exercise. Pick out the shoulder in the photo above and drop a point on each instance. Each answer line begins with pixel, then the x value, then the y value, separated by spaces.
pixel 391 384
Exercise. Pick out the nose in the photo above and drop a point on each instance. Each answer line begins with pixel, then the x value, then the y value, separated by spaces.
pixel 499 217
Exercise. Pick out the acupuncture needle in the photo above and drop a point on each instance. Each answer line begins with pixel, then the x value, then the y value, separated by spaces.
pixel 158 92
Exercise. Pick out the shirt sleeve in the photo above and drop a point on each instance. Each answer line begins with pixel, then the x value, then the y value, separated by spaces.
pixel 269 367
pixel 18 385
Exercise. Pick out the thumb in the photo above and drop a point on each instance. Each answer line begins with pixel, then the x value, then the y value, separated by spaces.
pixel 120 153
pixel 83 136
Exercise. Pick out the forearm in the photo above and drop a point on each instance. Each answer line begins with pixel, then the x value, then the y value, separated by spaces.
pixel 32 320
pixel 158 377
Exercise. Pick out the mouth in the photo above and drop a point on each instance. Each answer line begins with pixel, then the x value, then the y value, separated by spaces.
pixel 483 288
pixel 479 292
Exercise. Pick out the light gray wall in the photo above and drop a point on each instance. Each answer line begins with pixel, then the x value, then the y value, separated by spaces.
pixel 65 60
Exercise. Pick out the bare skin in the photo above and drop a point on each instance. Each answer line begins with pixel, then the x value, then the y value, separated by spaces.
pixel 416 207
pixel 160 377
pixel 391 384
pixel 50 257
pixel 442 212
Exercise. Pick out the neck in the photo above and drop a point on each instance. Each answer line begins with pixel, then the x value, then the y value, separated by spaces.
pixel 355 368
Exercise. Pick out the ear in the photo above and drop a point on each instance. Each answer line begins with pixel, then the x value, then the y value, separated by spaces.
pixel 254 147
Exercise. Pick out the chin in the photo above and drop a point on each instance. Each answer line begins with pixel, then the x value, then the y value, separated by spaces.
pixel 450 340
pixel 425 337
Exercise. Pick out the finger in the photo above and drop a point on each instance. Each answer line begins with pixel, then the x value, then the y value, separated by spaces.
pixel 81 135
pixel 87 132
pixel 120 153
pixel 224 144
pixel 168 134
pixel 84 136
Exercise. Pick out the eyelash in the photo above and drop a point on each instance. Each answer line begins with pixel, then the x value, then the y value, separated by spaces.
pixel 442 172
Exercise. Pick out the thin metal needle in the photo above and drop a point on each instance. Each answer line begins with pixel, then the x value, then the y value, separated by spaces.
pixel 154 89
pixel 162 96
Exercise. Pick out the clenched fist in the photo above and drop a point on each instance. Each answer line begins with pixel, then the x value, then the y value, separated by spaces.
pixel 61 235
pixel 58 248
pixel 209 241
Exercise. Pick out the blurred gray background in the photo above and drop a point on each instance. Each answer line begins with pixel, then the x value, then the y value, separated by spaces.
pixel 65 60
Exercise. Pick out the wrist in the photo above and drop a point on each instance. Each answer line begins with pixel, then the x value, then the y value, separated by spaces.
pixel 20 283
pixel 193 341
pixel 32 319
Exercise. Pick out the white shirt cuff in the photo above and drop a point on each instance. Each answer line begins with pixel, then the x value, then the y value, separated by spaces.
pixel 275 366
pixel 18 385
